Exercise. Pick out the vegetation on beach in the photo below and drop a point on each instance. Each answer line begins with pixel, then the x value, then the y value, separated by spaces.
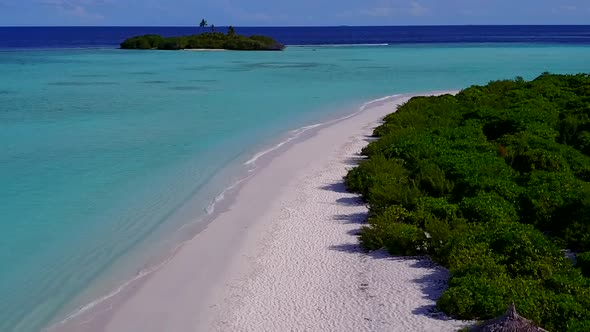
pixel 493 184
pixel 206 40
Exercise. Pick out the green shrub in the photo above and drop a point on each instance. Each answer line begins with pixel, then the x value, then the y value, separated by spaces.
pixel 578 325
pixel 364 177
pixel 492 184
pixel 488 207
pixel 475 298
pixel 390 190
pixel 524 251
pixel 583 263
pixel 389 231
pixel 432 180
pixel 209 40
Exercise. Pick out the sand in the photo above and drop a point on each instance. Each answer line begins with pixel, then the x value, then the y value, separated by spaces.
pixel 283 256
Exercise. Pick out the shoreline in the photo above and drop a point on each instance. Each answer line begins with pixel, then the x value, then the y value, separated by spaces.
pixel 198 281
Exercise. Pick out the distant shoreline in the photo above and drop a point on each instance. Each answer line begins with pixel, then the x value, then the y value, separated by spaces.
pixel 202 41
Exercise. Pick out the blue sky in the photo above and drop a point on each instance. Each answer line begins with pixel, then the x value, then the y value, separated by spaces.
pixel 292 13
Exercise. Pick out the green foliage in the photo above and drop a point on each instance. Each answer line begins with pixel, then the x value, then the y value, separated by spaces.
pixel 208 40
pixel 390 232
pixel 432 179
pixel 371 171
pixel 579 326
pixel 231 31
pixel 491 183
pixel 474 297
pixel 488 207
pixel 145 42
pixel 493 264
pixel 583 263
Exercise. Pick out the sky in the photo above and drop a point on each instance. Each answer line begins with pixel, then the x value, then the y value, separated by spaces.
pixel 291 13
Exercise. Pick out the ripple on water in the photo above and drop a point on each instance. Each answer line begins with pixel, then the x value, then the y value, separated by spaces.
pixel 200 68
pixel 155 82
pixel 282 65
pixel 141 73
pixel 204 81
pixel 80 83
pixel 375 67
pixel 90 75
pixel 189 88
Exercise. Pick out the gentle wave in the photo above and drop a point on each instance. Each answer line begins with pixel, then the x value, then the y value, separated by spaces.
pixel 211 208
pixel 297 132
pixel 139 276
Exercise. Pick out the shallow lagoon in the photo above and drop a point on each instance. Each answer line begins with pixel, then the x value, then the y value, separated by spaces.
pixel 100 148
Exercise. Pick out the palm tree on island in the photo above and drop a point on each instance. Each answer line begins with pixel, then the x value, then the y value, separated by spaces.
pixel 203 23
pixel 204 40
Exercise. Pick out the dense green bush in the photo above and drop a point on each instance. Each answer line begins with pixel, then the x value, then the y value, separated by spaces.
pixel 142 42
pixel 491 183
pixel 389 231
pixel 208 40
pixel 583 262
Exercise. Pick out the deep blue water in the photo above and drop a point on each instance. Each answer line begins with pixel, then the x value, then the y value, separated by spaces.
pixel 84 37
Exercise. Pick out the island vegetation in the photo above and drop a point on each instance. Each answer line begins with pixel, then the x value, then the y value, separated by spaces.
pixel 205 40
pixel 493 184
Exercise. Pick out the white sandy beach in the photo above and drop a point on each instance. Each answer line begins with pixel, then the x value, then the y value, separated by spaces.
pixel 283 256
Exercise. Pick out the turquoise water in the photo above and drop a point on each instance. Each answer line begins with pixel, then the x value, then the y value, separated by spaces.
pixel 101 147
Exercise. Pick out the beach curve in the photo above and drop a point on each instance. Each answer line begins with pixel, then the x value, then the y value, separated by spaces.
pixel 283 255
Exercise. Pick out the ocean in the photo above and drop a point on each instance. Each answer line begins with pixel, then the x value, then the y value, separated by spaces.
pixel 108 37
pixel 111 157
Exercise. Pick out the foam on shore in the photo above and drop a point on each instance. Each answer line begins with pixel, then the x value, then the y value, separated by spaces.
pixel 282 255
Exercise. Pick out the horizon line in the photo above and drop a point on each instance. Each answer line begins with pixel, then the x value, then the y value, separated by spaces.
pixel 285 26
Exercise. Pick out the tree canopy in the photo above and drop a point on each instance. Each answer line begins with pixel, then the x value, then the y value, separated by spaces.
pixel 493 184
pixel 231 31
pixel 207 40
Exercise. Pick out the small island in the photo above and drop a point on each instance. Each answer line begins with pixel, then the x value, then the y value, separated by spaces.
pixel 207 40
